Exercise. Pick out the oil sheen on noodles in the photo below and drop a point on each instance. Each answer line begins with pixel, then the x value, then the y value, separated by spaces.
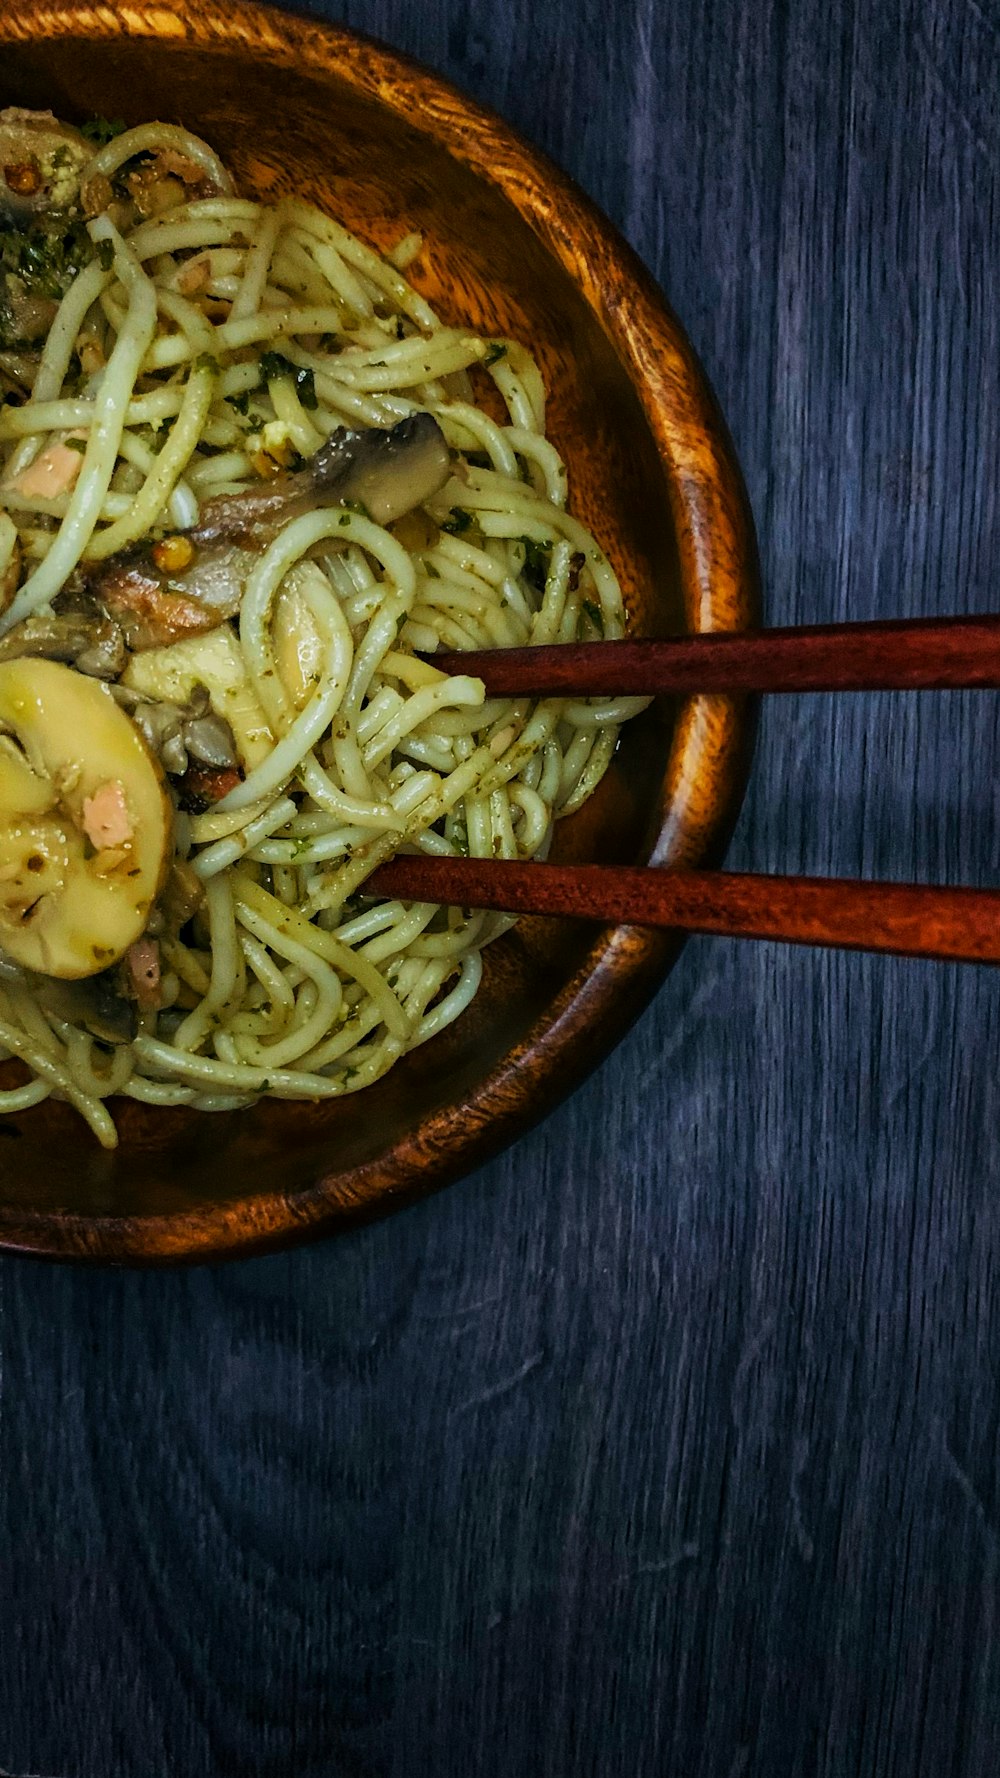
pixel 200 348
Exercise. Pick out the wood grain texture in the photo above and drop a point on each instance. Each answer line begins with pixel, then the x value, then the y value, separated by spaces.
pixel 906 919
pixel 668 1443
pixel 903 654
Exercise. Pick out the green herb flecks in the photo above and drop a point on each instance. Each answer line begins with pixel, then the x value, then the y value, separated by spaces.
pixel 274 365
pixel 39 260
pixel 589 610
pixel 536 562
pixel 305 388
pixel 102 129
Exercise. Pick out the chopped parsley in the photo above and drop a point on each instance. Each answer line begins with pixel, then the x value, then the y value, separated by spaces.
pixel 40 260
pixel 275 364
pixel 495 353
pixel 457 522
pixel 47 254
pixel 536 563
pixel 305 388
pixel 102 129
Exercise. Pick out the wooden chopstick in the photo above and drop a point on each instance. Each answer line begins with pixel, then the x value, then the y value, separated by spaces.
pixel 910 919
pixel 919 654
pixel 907 918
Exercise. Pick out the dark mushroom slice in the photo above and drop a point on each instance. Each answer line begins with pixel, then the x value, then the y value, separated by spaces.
pixel 155 606
pixel 27 316
pixel 209 739
pixel 96 1002
pixel 179 734
pixel 193 581
pixel 387 472
pixel 84 639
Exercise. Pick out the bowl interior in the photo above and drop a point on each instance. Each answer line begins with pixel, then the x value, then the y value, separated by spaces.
pixel 310 130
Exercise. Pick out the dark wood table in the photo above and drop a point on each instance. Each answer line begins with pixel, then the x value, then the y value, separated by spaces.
pixel 668 1443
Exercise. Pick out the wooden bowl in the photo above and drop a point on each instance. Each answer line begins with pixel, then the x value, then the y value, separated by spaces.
pixel 512 246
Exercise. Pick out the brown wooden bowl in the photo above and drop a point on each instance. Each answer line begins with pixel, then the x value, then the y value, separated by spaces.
pixel 512 246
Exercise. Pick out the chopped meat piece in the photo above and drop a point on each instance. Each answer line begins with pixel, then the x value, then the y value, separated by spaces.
pixel 53 472
pixel 142 963
pixel 106 820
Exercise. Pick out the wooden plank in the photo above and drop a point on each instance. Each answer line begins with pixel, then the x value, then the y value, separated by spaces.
pixel 667 1443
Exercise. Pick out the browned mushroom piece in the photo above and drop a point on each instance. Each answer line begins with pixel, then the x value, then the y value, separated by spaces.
pixel 82 638
pixel 98 1003
pixel 383 472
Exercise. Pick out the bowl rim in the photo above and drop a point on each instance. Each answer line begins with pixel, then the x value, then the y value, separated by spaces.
pixel 713 738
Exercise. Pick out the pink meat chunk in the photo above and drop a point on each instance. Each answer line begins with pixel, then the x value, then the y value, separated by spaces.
pixel 52 473
pixel 143 963
pixel 106 820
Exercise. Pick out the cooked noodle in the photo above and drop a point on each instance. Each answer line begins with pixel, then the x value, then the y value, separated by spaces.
pixel 161 369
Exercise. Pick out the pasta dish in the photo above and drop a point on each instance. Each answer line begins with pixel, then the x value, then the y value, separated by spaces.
pixel 249 485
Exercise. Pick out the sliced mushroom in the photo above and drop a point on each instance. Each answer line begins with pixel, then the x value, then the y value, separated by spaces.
pixel 156 606
pixel 192 582
pixel 385 471
pixel 97 1003
pixel 93 643
pixel 27 316
pixel 17 370
pixel 179 734
pixel 160 727
pixel 172 676
pixel 209 740
pixel 85 822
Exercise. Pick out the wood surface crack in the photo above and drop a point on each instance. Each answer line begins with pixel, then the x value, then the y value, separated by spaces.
pixel 686 1552
pixel 973 1497
pixel 496 1390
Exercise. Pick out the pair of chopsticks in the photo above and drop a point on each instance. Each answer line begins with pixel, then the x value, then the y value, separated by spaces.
pixel 905 918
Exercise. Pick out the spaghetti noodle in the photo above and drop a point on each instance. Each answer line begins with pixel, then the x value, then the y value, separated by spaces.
pixel 248 480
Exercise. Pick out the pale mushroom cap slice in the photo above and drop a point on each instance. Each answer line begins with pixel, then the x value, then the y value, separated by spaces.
pixel 85 822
